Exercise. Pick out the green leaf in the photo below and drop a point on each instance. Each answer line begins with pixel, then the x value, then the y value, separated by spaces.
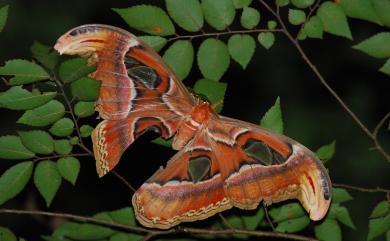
pixel 62 127
pixel 342 214
pixel 157 21
pixel 13 181
pixel 74 140
pixel 388 236
pixel 45 55
pixel 241 3
pixel 123 216
pixel 24 72
pixel 65 228
pixel 272 24
pixel 86 130
pixel 47 179
pixel 39 142
pixel 3 16
pixel 251 222
pixel 5 233
pixel 213 58
pixel 314 28
pixel 69 168
pixel 341 195
pixel 381 209
pixel 250 18
pixel 11 147
pixel 241 48
pixel 156 42
pixel 302 3
pixel 334 20
pixel 378 226
pixel 386 67
pixel 273 119
pixel 301 35
pixel 218 13
pixel 214 91
pixel 360 9
pixel 163 142
pixel 127 237
pixel 17 98
pixel 85 89
pixel 287 211
pixel 266 39
pixel 187 14
pixel 74 69
pixel 62 147
pixel 329 230
pixel 293 225
pixel 326 152
pixel 84 109
pixel 92 231
pixel 377 46
pixel 282 3
pixel 296 17
pixel 382 9
pixel 43 115
pixel 180 56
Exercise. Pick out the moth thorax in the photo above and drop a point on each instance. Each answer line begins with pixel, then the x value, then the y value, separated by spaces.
pixel 201 113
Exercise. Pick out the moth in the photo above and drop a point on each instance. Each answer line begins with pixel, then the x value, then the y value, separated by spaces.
pixel 221 162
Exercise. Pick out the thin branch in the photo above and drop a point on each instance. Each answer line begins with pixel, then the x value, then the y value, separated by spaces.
pixel 153 232
pixel 124 181
pixel 362 189
pixel 312 10
pixel 325 83
pixel 268 217
pixel 58 156
pixel 217 34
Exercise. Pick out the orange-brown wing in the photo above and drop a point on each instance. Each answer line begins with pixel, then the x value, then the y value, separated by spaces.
pixel 232 163
pixel 138 90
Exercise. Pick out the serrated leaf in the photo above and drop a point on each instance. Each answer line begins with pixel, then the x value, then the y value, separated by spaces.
pixel 293 225
pixel 17 98
pixel 386 67
pixel 214 91
pixel 74 69
pixel 273 119
pixel 187 14
pixel 272 24
pixel 342 215
pixel 326 152
pixel 341 195
pixel 62 147
pixel 241 48
pixel 123 216
pixel 360 9
pixel 157 21
pixel 3 16
pixel 250 18
pixel 213 58
pixel 13 181
pixel 282 3
pixel 86 130
pixel 74 140
pixel 329 230
pixel 156 42
pixel 37 141
pixel 84 109
pixel 377 46
pixel 218 13
pixel 314 28
pixel 382 9
pixel 241 3
pixel 11 147
pixel 47 179
pixel 43 115
pixel 334 20
pixel 266 39
pixel 381 209
pixel 296 17
pixel 288 211
pixel 85 89
pixel 378 226
pixel 69 168
pixel 302 3
pixel 5 233
pixel 24 72
pixel 62 127
pixel 180 56
pixel 45 55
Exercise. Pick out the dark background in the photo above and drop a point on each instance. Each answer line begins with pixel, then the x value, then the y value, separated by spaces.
pixel 311 115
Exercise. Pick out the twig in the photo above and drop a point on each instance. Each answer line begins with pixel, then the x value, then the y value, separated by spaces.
pixel 226 222
pixel 58 156
pixel 268 217
pixel 361 189
pixel 123 180
pixel 325 83
pixel 312 10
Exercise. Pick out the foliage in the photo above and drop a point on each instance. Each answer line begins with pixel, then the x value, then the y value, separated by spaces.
pixel 47 150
